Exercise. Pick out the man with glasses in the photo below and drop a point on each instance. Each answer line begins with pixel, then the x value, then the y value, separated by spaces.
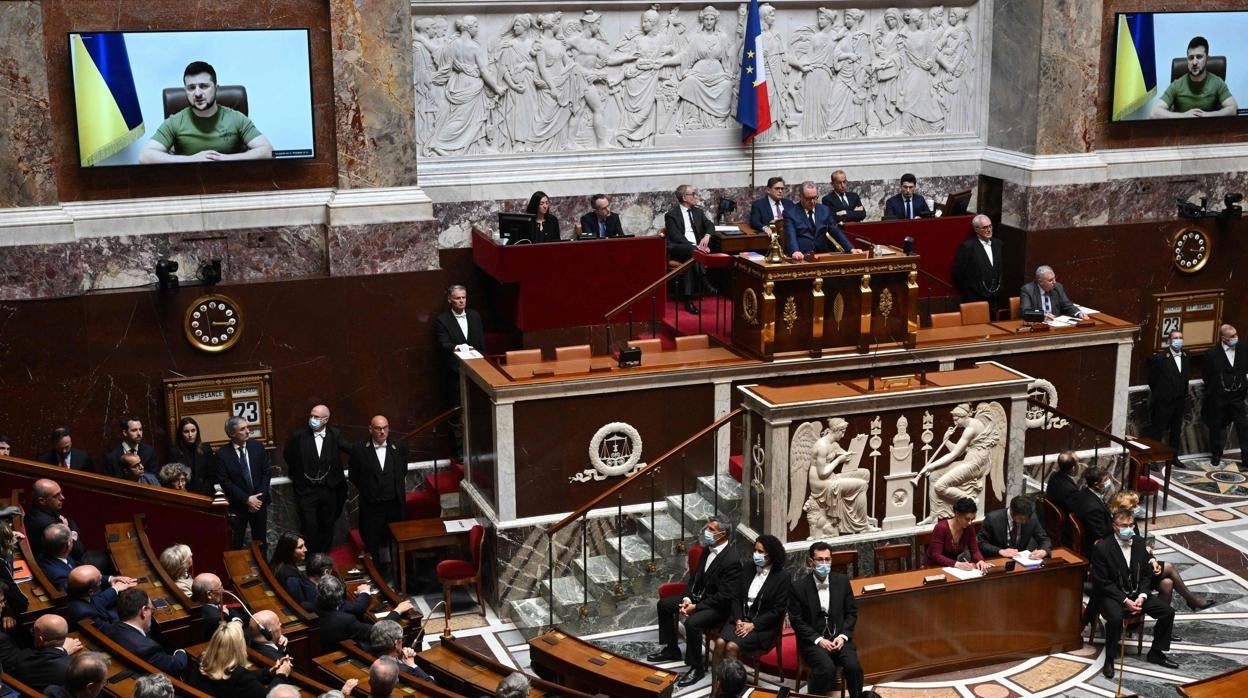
pixel 1046 294
pixel 823 613
pixel 810 228
pixel 600 222
pixel 378 469
pixel 133 632
pixel 688 228
pixel 773 206
pixel 844 204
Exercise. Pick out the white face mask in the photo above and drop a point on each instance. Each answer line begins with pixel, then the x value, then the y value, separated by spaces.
pixel 315 424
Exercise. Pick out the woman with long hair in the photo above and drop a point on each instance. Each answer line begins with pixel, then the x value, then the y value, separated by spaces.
pixel 547 224
pixel 190 450
pixel 287 565
pixel 225 671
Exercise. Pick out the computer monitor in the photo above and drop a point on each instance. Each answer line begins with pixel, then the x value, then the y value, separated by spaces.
pixel 515 228
pixel 958 203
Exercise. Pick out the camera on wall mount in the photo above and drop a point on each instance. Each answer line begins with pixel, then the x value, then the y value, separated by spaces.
pixel 1231 207
pixel 1190 210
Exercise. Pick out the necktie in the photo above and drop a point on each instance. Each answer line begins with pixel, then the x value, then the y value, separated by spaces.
pixel 909 211
pixel 1013 536
pixel 779 211
pixel 242 458
pixel 845 202
pixel 66 462
pixel 1048 306
pixel 602 228
pixel 810 215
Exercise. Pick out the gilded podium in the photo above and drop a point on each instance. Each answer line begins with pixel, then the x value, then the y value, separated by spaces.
pixel 857 301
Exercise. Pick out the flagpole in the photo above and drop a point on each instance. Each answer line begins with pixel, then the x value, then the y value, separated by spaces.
pixel 752 142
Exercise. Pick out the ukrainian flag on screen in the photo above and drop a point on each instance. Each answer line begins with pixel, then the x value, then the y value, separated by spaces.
pixel 1135 64
pixel 109 118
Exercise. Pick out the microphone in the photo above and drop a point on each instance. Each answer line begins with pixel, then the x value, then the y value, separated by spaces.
pixel 263 630
pixel 908 245
pixel 867 244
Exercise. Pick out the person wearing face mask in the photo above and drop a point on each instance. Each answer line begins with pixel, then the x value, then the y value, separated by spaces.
pixel 1089 508
pixel 706 603
pixel 1167 391
pixel 1225 372
pixel 1122 586
pixel 1166 577
pixel 313 455
pixel 762 596
pixel 823 613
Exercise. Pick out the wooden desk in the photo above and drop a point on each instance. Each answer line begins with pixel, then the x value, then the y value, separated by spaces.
pixel 423 534
pixel 744 241
pixel 341 667
pixel 1232 684
pixel 126 667
pixel 1156 452
pixel 936 240
pixel 474 674
pixel 130 560
pixel 41 596
pixel 607 366
pixel 258 594
pixel 579 664
pixel 910 630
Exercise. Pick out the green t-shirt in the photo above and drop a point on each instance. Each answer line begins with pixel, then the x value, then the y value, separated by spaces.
pixel 228 131
pixel 1206 95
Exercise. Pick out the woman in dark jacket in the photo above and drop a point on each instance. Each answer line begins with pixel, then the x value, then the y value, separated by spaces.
pixel 190 450
pixel 757 611
pixel 224 670
pixel 287 565
pixel 547 224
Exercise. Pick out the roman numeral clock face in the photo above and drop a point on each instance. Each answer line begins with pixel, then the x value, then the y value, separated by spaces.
pixel 213 323
pixel 1191 248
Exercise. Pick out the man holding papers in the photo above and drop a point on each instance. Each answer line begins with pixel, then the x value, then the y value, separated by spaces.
pixel 1014 532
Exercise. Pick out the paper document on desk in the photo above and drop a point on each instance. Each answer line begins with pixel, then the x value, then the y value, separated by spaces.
pixel 729 229
pixel 1024 559
pixel 1062 321
pixel 1086 310
pixel 469 354
pixel 962 574
pixel 460 525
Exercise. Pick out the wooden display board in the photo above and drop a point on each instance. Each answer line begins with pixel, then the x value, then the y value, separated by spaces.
pixel 1197 314
pixel 212 399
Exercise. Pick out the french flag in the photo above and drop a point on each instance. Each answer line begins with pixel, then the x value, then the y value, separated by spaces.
pixel 753 110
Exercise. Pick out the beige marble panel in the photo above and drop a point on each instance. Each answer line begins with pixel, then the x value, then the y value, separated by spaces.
pixel 27 177
pixel 1070 61
pixel 1048 673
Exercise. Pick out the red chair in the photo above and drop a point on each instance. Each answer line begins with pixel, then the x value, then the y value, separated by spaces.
pixel 453 573
pixel 736 466
pixel 679 588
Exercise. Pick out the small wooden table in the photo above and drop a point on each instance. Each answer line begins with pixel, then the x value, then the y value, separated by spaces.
pixel 422 534
pixel 1155 452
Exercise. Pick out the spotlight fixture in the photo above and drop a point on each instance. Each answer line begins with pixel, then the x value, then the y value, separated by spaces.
pixel 1190 210
pixel 167 280
pixel 210 272
pixel 725 206
pixel 1231 206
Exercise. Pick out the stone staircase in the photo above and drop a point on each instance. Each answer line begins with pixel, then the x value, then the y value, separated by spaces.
pixel 590 595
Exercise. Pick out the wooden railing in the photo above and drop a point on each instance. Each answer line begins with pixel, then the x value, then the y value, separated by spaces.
pixel 647 292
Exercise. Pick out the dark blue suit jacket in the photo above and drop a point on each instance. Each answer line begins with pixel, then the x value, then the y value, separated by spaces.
pixel 234 482
pixel 56 571
pixel 762 213
pixel 147 649
pixel 798 235
pixel 833 202
pixel 101 609
pixel 895 207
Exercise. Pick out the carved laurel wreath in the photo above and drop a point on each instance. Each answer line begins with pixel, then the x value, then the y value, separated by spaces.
pixel 634 442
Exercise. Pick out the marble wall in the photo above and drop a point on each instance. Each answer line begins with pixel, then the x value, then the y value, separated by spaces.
pixel 27 175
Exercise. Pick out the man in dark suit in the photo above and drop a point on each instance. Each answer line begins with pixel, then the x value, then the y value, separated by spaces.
pixel 907 203
pixel 131 442
pixel 688 228
pixel 134 608
pixel 810 228
pixel 1225 370
pixel 64 454
pixel 823 613
pixel 977 266
pixel 1046 295
pixel 1167 391
pixel 47 664
pixel 85 679
pixel 313 456
pixel 844 204
pixel 336 624
pixel 458 328
pixel 1006 533
pixel 1090 509
pixel 243 470
pixel 1063 482
pixel 1122 585
pixel 265 629
pixel 56 561
pixel 386 640
pixel 705 604
pixel 48 509
pixel 378 468
pixel 600 222
pixel 90 598
pixel 772 206
pixel 207 591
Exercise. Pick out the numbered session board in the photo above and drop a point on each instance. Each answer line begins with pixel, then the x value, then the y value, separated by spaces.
pixel 212 399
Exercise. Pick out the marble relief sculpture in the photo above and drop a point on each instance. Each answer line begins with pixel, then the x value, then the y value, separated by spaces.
pixel 554 83
pixel 826 482
pixel 976 458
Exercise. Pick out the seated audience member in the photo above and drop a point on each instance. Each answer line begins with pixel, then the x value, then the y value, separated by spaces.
pixel 1122 585
pixel 1007 532
pixel 179 563
pixel 9 651
pixel 1047 295
pixel 383 676
pixel 1166 577
pixel 131 442
pixel 954 542
pixel 132 469
pixel 1090 509
pixel 134 611
pixel 64 454
pixel 265 629
pixel 225 671
pixel 91 598
pixel 823 614
pixel 906 203
pixel 1064 480
pixel 600 222
pixel 5 449
pixel 547 224
pixel 48 662
pixel 771 207
pixel 56 561
pixel 190 450
pixel 762 596
pixel 514 685
pixel 85 679
pixel 153 686
pixel 810 228
pixel 688 229
pixel 207 591
pixel 319 565
pixel 174 476
pixel 285 690
pixel 288 557
pixel 47 510
pixel 338 625
pixel 386 640
pixel 16 602
pixel 731 679
pixel 844 204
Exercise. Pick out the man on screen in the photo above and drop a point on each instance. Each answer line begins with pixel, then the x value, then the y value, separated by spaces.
pixel 205 130
pixel 1199 93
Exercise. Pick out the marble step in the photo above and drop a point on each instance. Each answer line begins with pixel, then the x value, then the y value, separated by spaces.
pixel 636 555
pixel 697 510
pixel 667 532
pixel 730 493
pixel 602 570
pixel 532 616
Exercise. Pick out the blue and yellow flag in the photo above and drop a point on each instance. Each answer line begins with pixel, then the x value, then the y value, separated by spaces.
pixel 109 118
pixel 1135 64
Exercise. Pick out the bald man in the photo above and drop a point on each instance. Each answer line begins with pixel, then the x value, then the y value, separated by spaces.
pixel 379 471
pixel 90 597
pixel 383 676
pixel 977 266
pixel 85 679
pixel 313 455
pixel 48 663
pixel 48 509
pixel 284 690
pixel 206 589
pixel 272 644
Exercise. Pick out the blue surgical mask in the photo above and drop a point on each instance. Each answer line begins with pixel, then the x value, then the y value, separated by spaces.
pixel 1140 513
pixel 315 424
pixel 1232 341
pixel 708 536
pixel 823 569
pixel 1126 533
pixel 760 560
pixel 1176 343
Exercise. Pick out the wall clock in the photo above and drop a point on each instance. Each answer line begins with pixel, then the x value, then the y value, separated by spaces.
pixel 213 322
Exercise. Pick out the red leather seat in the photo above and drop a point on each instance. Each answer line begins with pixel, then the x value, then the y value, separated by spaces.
pixel 678 588
pixel 453 573
pixel 736 465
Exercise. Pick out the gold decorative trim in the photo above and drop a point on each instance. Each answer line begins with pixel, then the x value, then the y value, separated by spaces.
pixel 790 313
pixel 749 306
pixel 886 303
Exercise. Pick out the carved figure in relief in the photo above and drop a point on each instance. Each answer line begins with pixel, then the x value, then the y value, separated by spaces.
pixel 739 44
pixel 558 85
pixel 705 89
pixel 978 455
pixel 953 53
pixel 814 53
pixel 513 59
pixel 837 501
pixel 847 102
pixel 920 111
pixel 426 58
pixel 464 75
pixel 589 49
pixel 886 69
pixel 779 89
pixel 643 54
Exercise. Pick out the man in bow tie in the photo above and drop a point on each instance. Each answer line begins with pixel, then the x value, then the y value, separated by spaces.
pixel 823 613
pixel 378 468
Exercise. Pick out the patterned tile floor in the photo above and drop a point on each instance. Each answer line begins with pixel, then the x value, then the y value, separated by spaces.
pixel 1203 531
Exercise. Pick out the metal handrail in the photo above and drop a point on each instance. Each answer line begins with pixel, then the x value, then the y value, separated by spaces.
pixel 672 273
